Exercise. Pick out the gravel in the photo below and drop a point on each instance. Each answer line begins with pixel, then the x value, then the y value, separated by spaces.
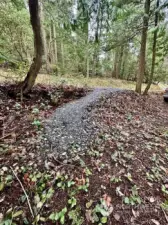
pixel 71 128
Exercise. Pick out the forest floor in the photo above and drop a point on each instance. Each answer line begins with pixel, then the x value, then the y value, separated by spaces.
pixel 122 179
pixel 80 81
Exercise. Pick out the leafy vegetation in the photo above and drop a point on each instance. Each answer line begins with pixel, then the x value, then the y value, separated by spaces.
pixel 87 38
pixel 114 178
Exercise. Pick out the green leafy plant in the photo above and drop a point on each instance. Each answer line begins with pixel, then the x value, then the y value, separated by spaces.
pixel 129 117
pixel 18 106
pixel 5 181
pixel 63 182
pixel 72 202
pixel 85 186
pixel 115 179
pixel 35 111
pixel 155 175
pixel 36 123
pixel 164 205
pixel 164 189
pixel 134 198
pixel 59 216
pixel 75 216
pixel 10 216
pixel 101 212
pixel 150 176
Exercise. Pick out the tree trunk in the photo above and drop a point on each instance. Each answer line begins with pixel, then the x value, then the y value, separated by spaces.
pixel 120 58
pixel 141 70
pixel 50 45
pixel 55 45
pixel 153 50
pixel 87 54
pixel 62 55
pixel 38 47
pixel 46 61
pixel 87 66
pixel 124 62
pixel 115 69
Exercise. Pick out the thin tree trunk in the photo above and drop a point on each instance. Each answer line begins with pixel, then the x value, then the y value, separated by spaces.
pixel 120 62
pixel 38 47
pixel 55 44
pixel 114 72
pixel 141 70
pixel 87 66
pixel 87 54
pixel 50 45
pixel 124 62
pixel 153 50
pixel 46 61
pixel 62 55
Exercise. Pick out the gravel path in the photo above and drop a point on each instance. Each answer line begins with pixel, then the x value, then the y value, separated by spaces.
pixel 71 128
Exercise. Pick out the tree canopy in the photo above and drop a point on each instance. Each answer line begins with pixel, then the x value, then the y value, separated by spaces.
pixel 90 37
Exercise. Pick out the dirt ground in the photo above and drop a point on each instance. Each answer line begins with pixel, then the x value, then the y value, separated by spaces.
pixel 122 179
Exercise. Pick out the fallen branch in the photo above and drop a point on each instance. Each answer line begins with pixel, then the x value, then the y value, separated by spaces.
pixel 27 197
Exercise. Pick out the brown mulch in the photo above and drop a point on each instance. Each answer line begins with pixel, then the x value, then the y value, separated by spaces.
pixel 132 146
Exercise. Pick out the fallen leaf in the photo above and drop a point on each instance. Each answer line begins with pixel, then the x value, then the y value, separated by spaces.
pixel 2 199
pixel 116 216
pixel 88 215
pixel 107 199
pixel 155 222
pixel 152 199
pixel 135 213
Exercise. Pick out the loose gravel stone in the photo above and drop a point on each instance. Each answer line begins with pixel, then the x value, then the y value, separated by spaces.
pixel 71 128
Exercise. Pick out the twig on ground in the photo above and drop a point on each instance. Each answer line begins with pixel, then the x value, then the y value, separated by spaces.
pixel 27 197
pixel 166 217
pixel 5 136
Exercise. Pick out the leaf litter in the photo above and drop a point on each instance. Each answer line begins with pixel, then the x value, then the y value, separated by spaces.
pixel 122 179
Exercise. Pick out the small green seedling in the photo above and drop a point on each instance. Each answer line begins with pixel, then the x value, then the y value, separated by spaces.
pixel 115 179
pixel 36 123
pixel 72 202
pixel 35 111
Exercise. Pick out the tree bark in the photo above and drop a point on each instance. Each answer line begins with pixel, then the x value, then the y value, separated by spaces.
pixel 50 45
pixel 46 61
pixel 38 47
pixel 153 50
pixel 87 64
pixel 141 70
pixel 87 54
pixel 55 45
pixel 115 72
pixel 62 56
